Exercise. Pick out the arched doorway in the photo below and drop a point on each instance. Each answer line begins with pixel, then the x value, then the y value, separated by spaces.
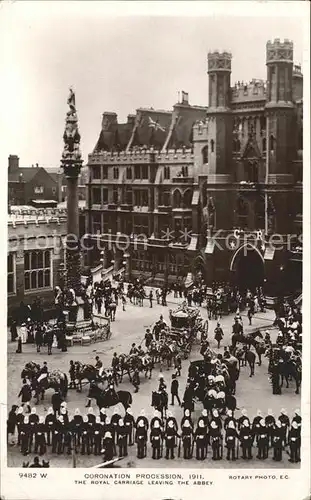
pixel 248 267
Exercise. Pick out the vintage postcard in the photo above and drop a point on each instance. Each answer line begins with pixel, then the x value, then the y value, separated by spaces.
pixel 156 223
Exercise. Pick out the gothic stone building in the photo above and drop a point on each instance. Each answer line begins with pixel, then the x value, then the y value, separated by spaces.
pixel 212 190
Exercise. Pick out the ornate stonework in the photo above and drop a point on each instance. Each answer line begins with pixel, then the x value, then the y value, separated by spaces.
pixel 278 51
pixel 219 61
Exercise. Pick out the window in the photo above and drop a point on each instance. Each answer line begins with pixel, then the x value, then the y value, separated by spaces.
pixel 252 170
pixel 242 213
pixel 264 144
pixel 115 196
pixel 105 172
pixel 187 198
pixel 96 196
pixel 96 172
pixel 141 197
pixel 37 269
pixel 129 196
pixel 115 172
pixel 106 226
pixel 184 171
pixel 129 173
pixel 141 225
pixel 272 143
pixel 54 190
pixel 105 196
pixel 177 199
pixel 205 154
pixel 166 173
pixel 165 198
pixel 38 190
pixel 11 273
pixel 212 145
pixel 141 172
pixel 97 223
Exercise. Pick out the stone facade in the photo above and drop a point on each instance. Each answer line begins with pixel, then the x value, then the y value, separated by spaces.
pixel 190 179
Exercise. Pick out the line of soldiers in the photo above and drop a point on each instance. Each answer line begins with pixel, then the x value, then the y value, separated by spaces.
pixel 111 436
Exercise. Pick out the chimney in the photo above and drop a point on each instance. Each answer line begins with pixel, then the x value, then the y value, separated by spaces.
pixel 184 97
pixel 37 165
pixel 13 163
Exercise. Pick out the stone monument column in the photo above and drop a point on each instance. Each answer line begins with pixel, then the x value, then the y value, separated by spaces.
pixel 71 163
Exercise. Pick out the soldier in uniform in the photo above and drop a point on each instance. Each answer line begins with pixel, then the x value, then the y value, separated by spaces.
pixel 156 436
pixel 19 421
pixel 242 419
pixel 256 425
pixel 171 436
pixel 108 427
pixel 246 439
pixel 76 426
pixel 129 422
pixel 171 418
pixel 142 417
pixel 270 424
pixel 24 436
pixel 214 437
pixel 98 436
pixel 56 402
pixel 277 441
pixel 187 416
pixel 216 418
pixel 229 418
pixel 33 421
pixel 200 438
pixel 57 435
pixel 162 384
pixel 262 441
pixel 108 446
pixel 187 438
pixel 122 438
pixel 115 419
pixel 85 435
pixel 297 418
pixel 40 441
pixel 231 441
pixel 294 441
pixel 283 418
pixel 72 375
pixel 156 418
pixel 64 412
pixel 141 438
pixel 102 415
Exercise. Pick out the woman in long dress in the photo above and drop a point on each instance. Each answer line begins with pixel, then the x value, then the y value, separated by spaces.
pixel 24 333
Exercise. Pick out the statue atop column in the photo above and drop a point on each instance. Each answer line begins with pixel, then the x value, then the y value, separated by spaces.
pixel 71 156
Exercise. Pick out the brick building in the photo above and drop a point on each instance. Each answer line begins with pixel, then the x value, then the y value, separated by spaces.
pixel 26 184
pixel 208 187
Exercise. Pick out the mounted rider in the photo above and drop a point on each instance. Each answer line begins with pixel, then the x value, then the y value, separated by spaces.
pixel 99 367
pixel 43 372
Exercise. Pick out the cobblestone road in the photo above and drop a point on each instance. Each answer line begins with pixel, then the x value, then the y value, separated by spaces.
pixel 252 393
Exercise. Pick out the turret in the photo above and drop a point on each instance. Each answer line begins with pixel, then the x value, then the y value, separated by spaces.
pixel 279 61
pixel 219 71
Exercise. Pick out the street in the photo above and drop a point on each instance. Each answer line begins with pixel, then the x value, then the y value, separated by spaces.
pixel 252 393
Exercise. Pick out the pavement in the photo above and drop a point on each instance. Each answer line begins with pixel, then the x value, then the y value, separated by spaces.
pixel 130 325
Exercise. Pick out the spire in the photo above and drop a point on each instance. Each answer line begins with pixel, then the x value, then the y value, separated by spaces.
pixel 71 156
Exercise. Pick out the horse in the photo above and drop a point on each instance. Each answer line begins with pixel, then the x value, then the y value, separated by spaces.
pixel 159 401
pixel 246 356
pixel 167 355
pixel 56 380
pixel 104 399
pixel 147 365
pixel 290 369
pixel 85 371
pixel 125 366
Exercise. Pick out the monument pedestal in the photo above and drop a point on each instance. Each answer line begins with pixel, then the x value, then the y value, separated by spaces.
pixel 79 316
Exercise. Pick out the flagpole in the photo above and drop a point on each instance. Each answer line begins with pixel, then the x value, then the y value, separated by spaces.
pixel 267 174
pixel 178 97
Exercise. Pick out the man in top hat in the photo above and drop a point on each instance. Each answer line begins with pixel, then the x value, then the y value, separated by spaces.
pixel 136 380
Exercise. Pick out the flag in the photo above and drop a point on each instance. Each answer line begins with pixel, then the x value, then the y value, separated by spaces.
pixel 184 96
pixel 155 125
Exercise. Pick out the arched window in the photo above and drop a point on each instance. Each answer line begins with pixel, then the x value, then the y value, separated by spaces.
pixel 272 143
pixel 212 145
pixel 205 154
pixel 187 198
pixel 177 199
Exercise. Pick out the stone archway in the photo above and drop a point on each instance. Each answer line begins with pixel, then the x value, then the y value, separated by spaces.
pixel 248 269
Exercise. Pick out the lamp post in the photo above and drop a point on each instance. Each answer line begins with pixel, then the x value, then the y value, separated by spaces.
pixel 102 260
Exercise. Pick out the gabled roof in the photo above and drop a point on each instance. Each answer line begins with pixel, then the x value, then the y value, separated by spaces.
pixel 23 174
pixel 151 128
pixel 183 119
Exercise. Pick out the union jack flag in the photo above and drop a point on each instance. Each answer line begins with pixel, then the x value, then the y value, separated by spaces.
pixel 155 125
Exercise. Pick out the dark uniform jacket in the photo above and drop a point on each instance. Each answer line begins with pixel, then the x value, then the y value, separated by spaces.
pixel 230 438
pixel 171 437
pixel 156 436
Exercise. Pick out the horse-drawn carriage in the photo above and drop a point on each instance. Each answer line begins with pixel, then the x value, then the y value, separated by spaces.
pixel 186 323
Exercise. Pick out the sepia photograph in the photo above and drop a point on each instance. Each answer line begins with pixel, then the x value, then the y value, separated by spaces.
pixel 154 178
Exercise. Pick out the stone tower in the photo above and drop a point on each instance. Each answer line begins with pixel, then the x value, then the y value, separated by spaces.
pixel 71 163
pixel 280 107
pixel 219 136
